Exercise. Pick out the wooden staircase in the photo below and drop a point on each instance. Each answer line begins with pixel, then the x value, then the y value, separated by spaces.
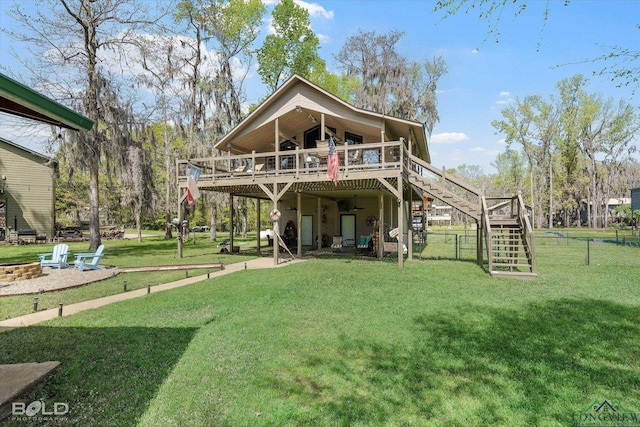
pixel 505 224
pixel 509 238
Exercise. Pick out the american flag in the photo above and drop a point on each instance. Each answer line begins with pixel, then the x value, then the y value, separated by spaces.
pixel 334 162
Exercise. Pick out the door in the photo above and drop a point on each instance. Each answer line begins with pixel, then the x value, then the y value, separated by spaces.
pixel 348 229
pixel 307 230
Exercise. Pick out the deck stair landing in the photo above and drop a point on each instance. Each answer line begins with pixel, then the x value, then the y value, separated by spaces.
pixel 504 220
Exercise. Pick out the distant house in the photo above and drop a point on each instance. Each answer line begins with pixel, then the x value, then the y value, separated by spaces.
pixel 635 199
pixel 28 190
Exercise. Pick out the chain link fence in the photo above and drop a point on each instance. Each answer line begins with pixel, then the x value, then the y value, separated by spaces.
pixel 552 248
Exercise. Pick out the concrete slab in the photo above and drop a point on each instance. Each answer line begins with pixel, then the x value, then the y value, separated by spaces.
pixel 17 378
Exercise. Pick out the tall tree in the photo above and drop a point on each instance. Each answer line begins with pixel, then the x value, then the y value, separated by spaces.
pixel 77 39
pixel 292 49
pixel 391 84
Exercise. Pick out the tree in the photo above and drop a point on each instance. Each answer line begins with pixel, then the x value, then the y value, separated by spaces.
pixel 76 39
pixel 293 49
pixel 390 83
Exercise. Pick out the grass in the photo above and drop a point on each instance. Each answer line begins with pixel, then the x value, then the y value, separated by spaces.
pixel 153 251
pixel 350 342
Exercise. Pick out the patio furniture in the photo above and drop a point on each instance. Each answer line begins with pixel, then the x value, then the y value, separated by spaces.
pixel 82 260
pixel 57 258
pixel 364 243
pixel 336 246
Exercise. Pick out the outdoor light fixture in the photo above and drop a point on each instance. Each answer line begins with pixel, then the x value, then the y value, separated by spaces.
pixel 298 109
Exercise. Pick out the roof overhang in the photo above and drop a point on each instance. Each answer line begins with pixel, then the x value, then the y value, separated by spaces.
pixel 20 100
pixel 295 103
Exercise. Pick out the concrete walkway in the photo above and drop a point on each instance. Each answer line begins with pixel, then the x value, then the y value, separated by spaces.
pixel 41 316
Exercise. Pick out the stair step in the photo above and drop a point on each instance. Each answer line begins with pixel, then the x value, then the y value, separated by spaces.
pixel 515 274
pixel 511 265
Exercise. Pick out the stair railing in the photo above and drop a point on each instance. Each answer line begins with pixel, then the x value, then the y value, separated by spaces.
pixel 528 236
pixel 486 226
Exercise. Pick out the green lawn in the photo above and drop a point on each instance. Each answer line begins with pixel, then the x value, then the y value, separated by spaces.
pixel 351 342
pixel 152 251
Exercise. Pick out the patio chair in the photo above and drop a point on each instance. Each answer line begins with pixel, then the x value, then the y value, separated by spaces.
pixel 363 243
pixel 337 244
pixel 57 258
pixel 82 260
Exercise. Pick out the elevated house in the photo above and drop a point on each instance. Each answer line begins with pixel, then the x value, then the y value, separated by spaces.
pixel 285 153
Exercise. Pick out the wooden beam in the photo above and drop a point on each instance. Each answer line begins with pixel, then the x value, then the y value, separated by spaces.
pixel 389 187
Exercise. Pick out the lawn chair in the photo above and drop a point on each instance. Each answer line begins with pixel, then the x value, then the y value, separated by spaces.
pixel 82 262
pixel 336 246
pixel 57 258
pixel 364 243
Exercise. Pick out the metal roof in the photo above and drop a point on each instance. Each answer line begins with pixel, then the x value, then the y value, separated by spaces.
pixel 20 100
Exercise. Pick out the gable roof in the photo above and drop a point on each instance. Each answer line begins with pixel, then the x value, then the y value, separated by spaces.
pixel 298 104
pixel 20 100
pixel 28 151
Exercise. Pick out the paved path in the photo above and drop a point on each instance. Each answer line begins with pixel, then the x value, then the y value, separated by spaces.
pixel 41 316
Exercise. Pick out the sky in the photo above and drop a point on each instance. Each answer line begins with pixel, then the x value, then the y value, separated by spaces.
pixel 485 76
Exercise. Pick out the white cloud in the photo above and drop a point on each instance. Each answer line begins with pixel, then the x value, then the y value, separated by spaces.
pixel 448 137
pixel 475 51
pixel 504 94
pixel 501 141
pixel 323 38
pixel 478 149
pixel 315 10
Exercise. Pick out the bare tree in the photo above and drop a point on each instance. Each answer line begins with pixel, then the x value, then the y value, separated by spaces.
pixel 79 38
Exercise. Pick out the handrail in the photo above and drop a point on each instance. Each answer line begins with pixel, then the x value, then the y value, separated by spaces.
pixel 383 155
pixel 447 177
pixel 487 232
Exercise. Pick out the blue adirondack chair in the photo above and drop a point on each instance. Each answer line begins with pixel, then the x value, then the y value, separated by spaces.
pixel 57 258
pixel 82 260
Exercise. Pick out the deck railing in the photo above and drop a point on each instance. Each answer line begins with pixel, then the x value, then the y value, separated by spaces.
pixel 358 157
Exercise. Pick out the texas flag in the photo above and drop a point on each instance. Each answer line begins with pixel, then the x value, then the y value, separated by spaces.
pixel 193 174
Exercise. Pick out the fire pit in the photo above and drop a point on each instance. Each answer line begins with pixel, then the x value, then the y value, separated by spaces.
pixel 13 272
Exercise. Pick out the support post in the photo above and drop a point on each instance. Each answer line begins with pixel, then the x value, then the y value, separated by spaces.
pixel 479 231
pixel 231 221
pixel 299 222
pixel 380 249
pixel 179 225
pixel 319 224
pixel 258 225
pixel 401 224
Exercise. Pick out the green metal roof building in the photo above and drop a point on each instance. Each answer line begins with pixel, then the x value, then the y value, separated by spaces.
pixel 27 186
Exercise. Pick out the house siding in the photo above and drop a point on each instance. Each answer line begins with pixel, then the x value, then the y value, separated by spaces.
pixel 29 189
pixel 635 199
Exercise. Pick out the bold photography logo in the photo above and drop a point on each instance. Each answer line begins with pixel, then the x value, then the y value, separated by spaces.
pixel 39 408
pixel 605 413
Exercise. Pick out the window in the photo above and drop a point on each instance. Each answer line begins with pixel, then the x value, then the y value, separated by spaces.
pixel 352 138
pixel 313 134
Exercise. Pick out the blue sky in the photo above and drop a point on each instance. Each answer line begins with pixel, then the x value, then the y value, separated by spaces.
pixel 484 76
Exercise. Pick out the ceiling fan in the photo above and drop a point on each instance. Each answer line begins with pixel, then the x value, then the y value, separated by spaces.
pixel 355 203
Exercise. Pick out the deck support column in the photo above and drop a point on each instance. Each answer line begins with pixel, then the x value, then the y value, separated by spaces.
pixel 299 221
pixel 319 225
pixel 231 220
pixel 276 233
pixel 258 226
pixel 401 224
pixel 179 225
pixel 380 249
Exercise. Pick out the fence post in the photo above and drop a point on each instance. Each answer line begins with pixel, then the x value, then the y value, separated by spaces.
pixel 456 239
pixel 588 252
